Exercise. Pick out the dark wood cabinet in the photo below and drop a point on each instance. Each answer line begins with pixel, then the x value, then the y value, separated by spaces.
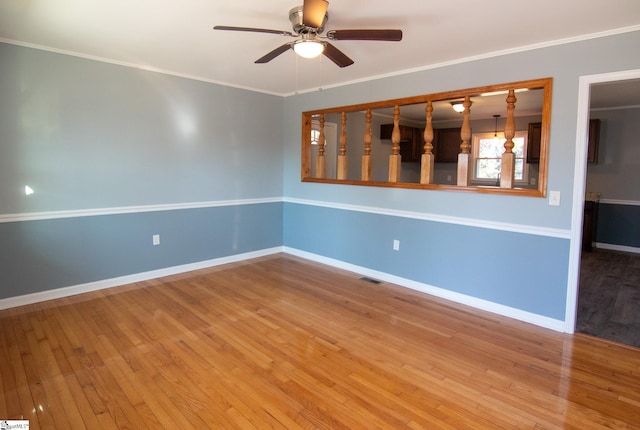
pixel 406 132
pixel 411 141
pixel 446 145
pixel 594 141
pixel 589 223
pixel 411 150
pixel 534 138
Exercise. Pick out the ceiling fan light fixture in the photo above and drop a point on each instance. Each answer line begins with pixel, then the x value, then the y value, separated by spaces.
pixel 308 48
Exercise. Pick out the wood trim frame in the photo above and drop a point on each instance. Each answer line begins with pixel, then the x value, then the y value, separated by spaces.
pixel 541 191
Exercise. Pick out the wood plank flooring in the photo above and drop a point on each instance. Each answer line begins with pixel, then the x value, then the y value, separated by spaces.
pixel 280 342
pixel 609 296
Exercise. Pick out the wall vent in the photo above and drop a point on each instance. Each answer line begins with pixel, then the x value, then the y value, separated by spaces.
pixel 370 280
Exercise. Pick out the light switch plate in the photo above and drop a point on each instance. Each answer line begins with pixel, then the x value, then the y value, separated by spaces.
pixel 554 198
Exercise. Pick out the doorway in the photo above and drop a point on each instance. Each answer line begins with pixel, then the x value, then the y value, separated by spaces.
pixel 613 81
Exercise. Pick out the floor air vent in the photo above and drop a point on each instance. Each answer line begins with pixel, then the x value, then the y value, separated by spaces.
pixel 370 280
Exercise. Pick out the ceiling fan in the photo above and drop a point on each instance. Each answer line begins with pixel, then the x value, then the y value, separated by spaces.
pixel 308 23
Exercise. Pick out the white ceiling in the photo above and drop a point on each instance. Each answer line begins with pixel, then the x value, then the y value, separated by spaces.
pixel 177 37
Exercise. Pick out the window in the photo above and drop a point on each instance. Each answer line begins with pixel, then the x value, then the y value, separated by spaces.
pixel 487 150
pixel 315 136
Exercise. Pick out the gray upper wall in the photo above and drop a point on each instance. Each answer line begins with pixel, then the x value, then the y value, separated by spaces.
pixel 85 134
pixel 617 174
pixel 564 63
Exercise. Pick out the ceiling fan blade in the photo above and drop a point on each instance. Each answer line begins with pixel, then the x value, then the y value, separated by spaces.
pixel 336 55
pixel 254 30
pixel 382 35
pixel 313 12
pixel 273 54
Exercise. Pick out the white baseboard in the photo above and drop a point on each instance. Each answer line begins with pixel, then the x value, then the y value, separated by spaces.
pixel 622 248
pixel 28 299
pixel 485 305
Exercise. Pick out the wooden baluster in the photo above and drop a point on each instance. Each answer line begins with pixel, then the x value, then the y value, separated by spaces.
pixel 367 163
pixel 343 166
pixel 321 163
pixel 307 153
pixel 508 166
pixel 465 136
pixel 426 165
pixel 395 158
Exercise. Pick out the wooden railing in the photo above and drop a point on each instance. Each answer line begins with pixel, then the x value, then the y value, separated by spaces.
pixel 427 158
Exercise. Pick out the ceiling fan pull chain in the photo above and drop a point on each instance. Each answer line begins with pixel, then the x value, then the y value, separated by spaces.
pixel 297 73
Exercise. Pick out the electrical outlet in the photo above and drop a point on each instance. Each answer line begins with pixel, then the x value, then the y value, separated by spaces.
pixel 156 239
pixel 396 245
pixel 533 181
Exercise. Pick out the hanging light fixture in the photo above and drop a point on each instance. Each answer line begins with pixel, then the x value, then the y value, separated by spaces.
pixel 495 133
pixel 308 47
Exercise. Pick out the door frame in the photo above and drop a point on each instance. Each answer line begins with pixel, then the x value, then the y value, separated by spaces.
pixel 579 184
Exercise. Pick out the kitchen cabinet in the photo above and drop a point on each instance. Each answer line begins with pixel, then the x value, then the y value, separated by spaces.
pixel 535 133
pixel 534 137
pixel 411 150
pixel 594 141
pixel 411 141
pixel 406 132
pixel 446 145
pixel 589 223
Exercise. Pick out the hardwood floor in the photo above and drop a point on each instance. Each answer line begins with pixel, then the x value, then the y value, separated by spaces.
pixel 609 296
pixel 280 342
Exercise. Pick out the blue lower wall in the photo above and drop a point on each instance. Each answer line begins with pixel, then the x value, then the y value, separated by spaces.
pixel 618 225
pixel 523 271
pixel 43 255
